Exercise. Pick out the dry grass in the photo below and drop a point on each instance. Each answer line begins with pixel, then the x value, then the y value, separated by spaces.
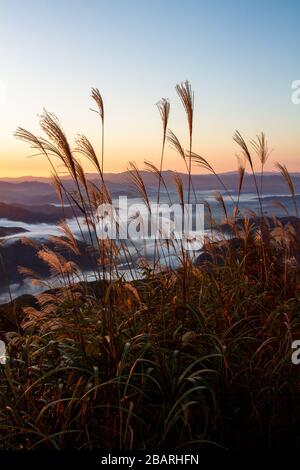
pixel 198 356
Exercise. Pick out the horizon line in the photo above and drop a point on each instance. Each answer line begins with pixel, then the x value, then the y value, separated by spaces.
pixel 269 172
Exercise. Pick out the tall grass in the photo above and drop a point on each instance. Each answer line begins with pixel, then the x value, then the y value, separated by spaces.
pixel 193 357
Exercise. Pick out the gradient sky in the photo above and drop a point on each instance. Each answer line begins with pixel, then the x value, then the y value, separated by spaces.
pixel 241 58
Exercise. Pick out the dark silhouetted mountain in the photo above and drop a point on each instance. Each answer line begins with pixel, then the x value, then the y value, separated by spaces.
pixel 15 253
pixel 45 213
pixel 6 231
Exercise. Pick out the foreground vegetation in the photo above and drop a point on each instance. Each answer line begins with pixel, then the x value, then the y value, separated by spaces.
pixel 198 356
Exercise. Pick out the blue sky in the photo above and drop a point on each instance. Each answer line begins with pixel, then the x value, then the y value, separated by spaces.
pixel 241 58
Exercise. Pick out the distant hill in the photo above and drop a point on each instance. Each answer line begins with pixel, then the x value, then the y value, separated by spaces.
pixel 14 254
pixel 33 190
pixel 42 213
pixel 43 192
pixel 6 231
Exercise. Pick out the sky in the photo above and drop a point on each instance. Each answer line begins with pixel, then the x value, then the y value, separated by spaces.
pixel 240 57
